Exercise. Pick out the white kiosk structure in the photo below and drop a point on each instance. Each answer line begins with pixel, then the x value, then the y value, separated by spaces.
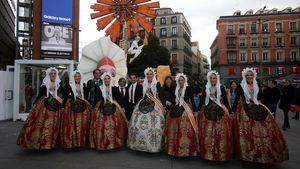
pixel 36 68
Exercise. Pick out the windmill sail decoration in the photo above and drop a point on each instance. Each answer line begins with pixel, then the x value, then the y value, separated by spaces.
pixel 104 55
pixel 123 13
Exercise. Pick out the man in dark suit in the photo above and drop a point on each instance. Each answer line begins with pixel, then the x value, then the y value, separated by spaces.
pixel 119 93
pixel 134 93
pixel 92 93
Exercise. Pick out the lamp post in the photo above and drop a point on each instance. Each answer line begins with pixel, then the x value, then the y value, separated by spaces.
pixel 260 22
pixel 260 50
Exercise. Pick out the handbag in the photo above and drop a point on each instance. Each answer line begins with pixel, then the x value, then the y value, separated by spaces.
pixel 213 112
pixel 107 108
pixel 295 108
pixel 78 106
pixel 256 112
pixel 177 111
pixel 52 104
pixel 146 105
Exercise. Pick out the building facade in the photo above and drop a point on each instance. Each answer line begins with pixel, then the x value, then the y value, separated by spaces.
pixel 268 40
pixel 196 61
pixel 200 63
pixel 205 65
pixel 174 33
pixel 7 33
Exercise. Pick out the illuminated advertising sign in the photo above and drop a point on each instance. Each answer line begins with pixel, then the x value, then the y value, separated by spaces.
pixel 57 11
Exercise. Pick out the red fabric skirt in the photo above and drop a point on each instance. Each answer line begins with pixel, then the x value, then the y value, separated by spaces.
pixel 75 126
pixel 107 131
pixel 180 137
pixel 41 129
pixel 215 137
pixel 259 141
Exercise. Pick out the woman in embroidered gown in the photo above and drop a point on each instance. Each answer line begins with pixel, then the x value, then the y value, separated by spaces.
pixel 41 129
pixel 258 137
pixel 108 121
pixel 146 127
pixel 181 128
pixel 215 132
pixel 75 123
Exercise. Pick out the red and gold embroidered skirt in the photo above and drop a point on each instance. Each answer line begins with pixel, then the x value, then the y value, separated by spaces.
pixel 261 140
pixel 180 137
pixel 41 129
pixel 215 136
pixel 107 131
pixel 75 124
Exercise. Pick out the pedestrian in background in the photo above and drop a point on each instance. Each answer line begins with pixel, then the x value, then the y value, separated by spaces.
pixel 285 102
pixel 232 95
pixel 196 92
pixel 296 100
pixel 272 96
pixel 169 92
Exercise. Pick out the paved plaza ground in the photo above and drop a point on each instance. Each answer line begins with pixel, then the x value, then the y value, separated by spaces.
pixel 13 157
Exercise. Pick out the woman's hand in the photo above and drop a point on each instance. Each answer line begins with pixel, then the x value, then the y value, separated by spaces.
pixel 168 103
pixel 60 100
pixel 231 115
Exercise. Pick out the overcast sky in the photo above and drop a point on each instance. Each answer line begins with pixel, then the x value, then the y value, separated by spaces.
pixel 201 15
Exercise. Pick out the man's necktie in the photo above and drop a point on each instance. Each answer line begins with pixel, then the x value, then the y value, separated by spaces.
pixel 122 91
pixel 131 94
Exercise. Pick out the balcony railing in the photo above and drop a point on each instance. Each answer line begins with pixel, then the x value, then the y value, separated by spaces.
pixel 163 35
pixel 265 31
pixel 231 60
pixel 294 30
pixel 231 45
pixel 243 45
pixel 294 45
pixel 230 32
pixel 254 45
pixel 280 60
pixel 242 31
pixel 174 47
pixel 266 45
pixel 253 31
pixel 279 31
pixel 280 45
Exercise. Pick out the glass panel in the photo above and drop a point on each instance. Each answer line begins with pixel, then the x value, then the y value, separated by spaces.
pixel 31 77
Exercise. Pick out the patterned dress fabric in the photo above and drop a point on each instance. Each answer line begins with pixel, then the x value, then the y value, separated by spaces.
pixel 259 141
pixel 107 131
pixel 41 129
pixel 215 134
pixel 146 130
pixel 75 126
pixel 181 138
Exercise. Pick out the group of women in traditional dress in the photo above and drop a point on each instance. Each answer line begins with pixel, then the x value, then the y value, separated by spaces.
pixel 160 121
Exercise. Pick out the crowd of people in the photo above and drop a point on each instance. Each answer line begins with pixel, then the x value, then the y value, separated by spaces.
pixel 184 121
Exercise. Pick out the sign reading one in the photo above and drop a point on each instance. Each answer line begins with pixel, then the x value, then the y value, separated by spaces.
pixel 56 40
pixel 57 11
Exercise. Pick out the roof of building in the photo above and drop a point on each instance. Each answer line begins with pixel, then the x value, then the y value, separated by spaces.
pixel 173 13
pixel 264 12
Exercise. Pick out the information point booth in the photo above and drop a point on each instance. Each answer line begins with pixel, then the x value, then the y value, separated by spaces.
pixel 28 76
